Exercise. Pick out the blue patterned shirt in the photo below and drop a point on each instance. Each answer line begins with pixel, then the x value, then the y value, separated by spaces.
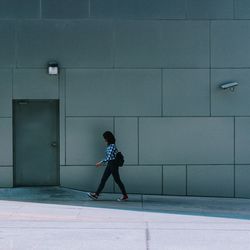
pixel 111 152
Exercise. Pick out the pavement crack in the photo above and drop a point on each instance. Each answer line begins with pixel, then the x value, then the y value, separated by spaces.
pixel 147 233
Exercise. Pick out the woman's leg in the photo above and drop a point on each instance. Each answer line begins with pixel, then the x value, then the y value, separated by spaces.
pixel 116 175
pixel 105 177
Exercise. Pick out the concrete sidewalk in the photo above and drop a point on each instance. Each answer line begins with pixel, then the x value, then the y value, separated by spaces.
pixel 59 218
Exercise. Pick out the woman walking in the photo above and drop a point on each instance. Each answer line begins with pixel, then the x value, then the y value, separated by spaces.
pixel 111 168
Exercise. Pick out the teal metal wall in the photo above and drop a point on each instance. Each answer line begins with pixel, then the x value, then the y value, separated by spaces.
pixel 148 70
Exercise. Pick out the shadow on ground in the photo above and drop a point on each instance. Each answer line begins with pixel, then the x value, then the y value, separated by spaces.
pixel 196 206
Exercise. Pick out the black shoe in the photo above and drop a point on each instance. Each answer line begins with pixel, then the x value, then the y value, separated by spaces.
pixel 93 196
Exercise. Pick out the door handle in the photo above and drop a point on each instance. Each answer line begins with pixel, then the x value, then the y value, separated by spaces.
pixel 53 144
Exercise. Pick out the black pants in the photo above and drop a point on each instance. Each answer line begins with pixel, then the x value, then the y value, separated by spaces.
pixel 113 169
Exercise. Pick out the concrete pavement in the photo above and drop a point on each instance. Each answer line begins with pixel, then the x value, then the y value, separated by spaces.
pixel 64 219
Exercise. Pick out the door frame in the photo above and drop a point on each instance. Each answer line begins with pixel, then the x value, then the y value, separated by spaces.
pixel 14 137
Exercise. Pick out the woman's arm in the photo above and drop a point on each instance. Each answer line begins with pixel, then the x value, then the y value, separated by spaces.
pixel 109 151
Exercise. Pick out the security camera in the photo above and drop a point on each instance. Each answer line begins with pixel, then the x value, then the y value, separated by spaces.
pixel 229 85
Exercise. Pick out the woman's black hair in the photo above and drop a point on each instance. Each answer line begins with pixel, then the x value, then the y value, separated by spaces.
pixel 109 137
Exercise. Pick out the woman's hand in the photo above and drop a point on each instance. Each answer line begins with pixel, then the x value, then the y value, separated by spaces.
pixel 98 164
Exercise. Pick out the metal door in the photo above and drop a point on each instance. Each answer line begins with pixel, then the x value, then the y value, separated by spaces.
pixel 36 140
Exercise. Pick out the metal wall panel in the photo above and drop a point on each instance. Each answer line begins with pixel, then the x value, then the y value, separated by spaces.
pixel 126 133
pixel 242 9
pixel 5 93
pixel 84 140
pixel 62 114
pixel 242 184
pixel 210 180
pixel 7 44
pixel 6 152
pixel 72 43
pixel 242 140
pixel 150 9
pixel 181 45
pixel 230 44
pixel 113 92
pixel 65 9
pixel 137 44
pixel 35 84
pixel 19 9
pixel 6 176
pixel 141 179
pixel 186 140
pixel 183 89
pixel 226 102
pixel 212 9
pixel 174 180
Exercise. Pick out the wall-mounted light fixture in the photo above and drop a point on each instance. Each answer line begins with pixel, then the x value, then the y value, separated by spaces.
pixel 229 85
pixel 53 68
